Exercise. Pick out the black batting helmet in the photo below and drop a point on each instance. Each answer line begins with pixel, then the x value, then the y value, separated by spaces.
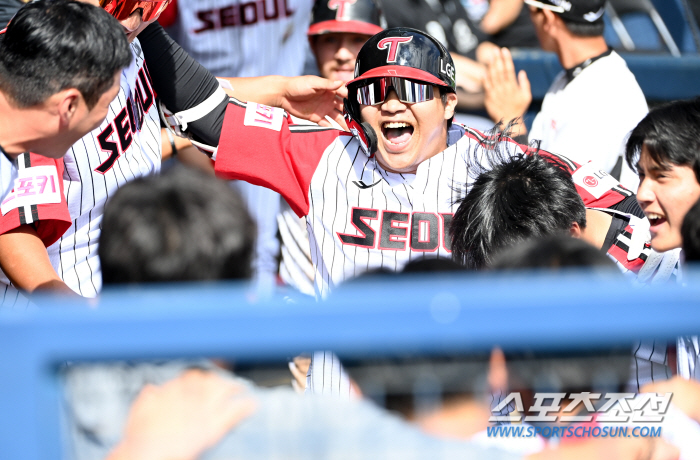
pixel 348 16
pixel 408 53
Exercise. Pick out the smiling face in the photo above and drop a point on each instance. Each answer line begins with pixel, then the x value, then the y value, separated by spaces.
pixel 409 134
pixel 336 53
pixel 665 194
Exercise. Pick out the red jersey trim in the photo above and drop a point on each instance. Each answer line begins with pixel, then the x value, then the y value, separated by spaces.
pixel 49 220
pixel 284 161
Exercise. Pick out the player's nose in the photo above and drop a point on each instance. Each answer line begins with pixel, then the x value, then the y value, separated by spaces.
pixel 645 193
pixel 392 102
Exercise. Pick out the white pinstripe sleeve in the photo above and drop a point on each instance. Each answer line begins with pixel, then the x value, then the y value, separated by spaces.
pixel 327 376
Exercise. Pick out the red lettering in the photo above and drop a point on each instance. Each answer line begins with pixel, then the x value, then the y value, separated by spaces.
pixel 391 44
pixel 205 17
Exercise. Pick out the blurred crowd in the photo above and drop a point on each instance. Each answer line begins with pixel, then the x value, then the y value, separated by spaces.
pixel 304 144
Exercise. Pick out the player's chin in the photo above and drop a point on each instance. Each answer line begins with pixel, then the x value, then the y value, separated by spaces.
pixel 400 163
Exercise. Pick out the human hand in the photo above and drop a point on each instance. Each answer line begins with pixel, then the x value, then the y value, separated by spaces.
pixel 686 394
pixel 506 97
pixel 314 98
pixel 182 418
pixel 299 367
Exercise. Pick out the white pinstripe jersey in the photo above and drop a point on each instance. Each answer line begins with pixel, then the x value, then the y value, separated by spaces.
pixel 359 216
pixel 125 146
pixel 234 38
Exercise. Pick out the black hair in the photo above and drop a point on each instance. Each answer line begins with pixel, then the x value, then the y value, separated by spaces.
pixel 690 232
pixel 515 196
pixel 671 135
pixel 585 29
pixel 551 252
pixel 52 45
pixel 181 226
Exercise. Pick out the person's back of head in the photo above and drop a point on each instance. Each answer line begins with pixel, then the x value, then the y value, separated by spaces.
pixel 520 197
pixel 552 252
pixel 52 45
pixel 180 226
pixel 583 18
pixel 670 134
pixel 690 232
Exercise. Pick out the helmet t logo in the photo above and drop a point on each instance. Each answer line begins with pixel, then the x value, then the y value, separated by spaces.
pixel 340 6
pixel 392 45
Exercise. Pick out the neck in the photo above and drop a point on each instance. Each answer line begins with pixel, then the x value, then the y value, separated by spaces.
pixel 577 49
pixel 597 226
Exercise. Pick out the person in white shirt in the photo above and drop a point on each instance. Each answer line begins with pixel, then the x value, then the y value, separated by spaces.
pixel 591 106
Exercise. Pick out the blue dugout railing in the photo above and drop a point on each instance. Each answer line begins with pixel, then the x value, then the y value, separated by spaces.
pixel 392 317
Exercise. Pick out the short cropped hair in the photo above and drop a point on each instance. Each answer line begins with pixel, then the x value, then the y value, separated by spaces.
pixel 585 29
pixel 519 197
pixel 671 135
pixel 52 45
pixel 690 232
pixel 181 226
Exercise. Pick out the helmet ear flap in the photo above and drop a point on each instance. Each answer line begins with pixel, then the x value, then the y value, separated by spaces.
pixel 363 131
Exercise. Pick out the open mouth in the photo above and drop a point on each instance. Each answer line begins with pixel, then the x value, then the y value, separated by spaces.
pixel 655 219
pixel 397 132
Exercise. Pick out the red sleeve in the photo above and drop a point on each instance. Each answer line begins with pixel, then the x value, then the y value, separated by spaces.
pixel 259 146
pixel 168 17
pixel 597 188
pixel 50 220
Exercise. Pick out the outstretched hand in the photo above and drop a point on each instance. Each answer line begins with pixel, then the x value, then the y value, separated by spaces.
pixel 315 98
pixel 506 96
pixel 182 418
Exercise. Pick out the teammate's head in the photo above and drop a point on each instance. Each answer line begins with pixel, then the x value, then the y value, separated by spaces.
pixel 63 60
pixel 404 89
pixel 338 30
pixel 553 252
pixel 665 150
pixel 520 197
pixel 181 226
pixel 581 18
pixel 133 15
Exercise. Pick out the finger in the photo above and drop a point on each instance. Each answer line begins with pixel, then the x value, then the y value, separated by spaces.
pixel 508 65
pixel 296 372
pixel 342 91
pixel 340 119
pixel 524 83
pixel 499 71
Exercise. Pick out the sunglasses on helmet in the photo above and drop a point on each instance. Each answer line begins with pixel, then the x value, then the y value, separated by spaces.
pixel 375 91
pixel 122 9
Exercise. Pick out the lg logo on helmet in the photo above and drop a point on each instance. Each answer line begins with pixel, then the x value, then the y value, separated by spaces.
pixel 447 69
pixel 392 45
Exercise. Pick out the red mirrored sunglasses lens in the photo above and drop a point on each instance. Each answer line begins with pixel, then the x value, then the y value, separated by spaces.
pixel 122 9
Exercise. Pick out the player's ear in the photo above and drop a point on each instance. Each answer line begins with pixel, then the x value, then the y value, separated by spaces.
pixel 450 105
pixel 575 230
pixel 68 103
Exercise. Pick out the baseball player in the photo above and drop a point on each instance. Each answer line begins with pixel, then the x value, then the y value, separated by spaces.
pixel 336 33
pixel 127 145
pixel 62 91
pixel 383 195
pixel 540 188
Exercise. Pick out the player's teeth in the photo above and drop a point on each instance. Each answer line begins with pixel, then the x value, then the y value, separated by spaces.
pixel 652 216
pixel 396 124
